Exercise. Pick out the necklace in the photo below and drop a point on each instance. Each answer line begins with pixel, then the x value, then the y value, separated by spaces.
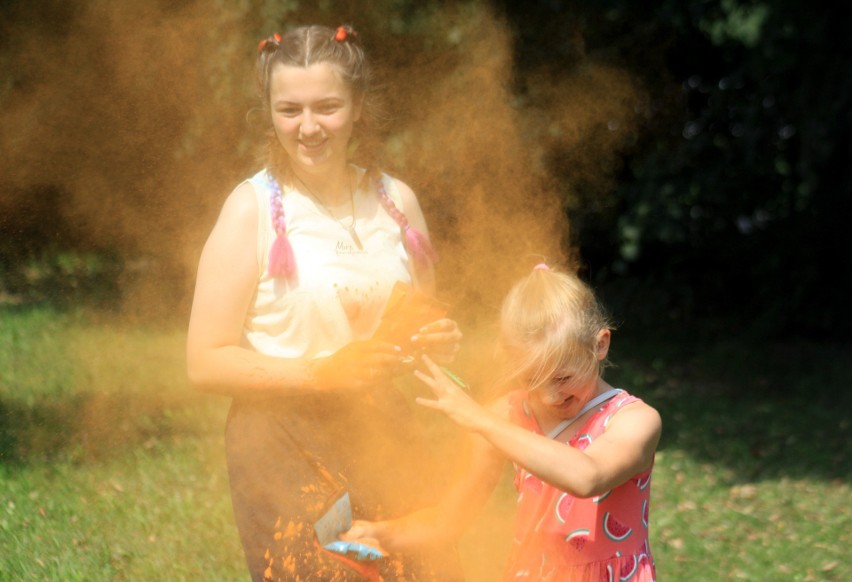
pixel 350 228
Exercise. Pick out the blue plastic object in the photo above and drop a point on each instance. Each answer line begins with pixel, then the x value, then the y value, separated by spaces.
pixel 355 550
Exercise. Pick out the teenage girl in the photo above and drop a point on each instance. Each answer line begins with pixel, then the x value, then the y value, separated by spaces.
pixel 291 287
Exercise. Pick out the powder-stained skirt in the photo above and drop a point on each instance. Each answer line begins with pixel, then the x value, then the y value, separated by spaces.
pixel 288 457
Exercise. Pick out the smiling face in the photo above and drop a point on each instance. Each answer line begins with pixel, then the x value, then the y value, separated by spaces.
pixel 564 392
pixel 564 395
pixel 313 112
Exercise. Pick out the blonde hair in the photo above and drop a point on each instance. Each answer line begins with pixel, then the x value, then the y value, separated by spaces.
pixel 550 321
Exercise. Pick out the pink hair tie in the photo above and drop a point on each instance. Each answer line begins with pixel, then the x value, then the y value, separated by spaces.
pixel 541 267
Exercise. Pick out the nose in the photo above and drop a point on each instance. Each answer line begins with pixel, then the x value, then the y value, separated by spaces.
pixel 309 125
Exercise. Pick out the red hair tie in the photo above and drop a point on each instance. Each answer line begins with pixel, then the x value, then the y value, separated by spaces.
pixel 343 32
pixel 275 39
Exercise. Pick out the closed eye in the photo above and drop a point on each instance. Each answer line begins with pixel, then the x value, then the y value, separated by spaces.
pixel 289 111
pixel 327 108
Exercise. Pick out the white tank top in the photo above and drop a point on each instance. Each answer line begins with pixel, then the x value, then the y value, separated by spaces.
pixel 338 292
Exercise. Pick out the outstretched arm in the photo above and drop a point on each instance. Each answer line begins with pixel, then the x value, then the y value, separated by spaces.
pixel 448 520
pixel 625 449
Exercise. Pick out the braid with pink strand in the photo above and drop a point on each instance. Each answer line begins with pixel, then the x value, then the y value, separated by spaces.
pixel 415 241
pixel 282 262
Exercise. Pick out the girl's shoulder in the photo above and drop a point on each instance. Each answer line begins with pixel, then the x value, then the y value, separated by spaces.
pixel 241 204
pixel 632 412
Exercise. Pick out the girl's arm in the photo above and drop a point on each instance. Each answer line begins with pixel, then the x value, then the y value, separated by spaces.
pixel 446 521
pixel 226 283
pixel 625 449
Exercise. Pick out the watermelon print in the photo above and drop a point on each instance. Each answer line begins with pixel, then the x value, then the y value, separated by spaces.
pixel 562 538
pixel 600 498
pixel 563 506
pixel 628 568
pixel 614 529
pixel 578 538
pixel 532 483
pixel 583 441
pixel 643 483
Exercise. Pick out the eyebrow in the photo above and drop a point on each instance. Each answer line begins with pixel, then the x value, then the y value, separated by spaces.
pixel 324 101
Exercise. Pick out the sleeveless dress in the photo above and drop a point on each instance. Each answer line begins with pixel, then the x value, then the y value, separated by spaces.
pixel 561 538
pixel 289 456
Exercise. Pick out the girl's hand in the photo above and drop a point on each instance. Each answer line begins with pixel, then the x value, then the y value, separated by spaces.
pixel 440 340
pixel 358 364
pixel 367 533
pixel 362 530
pixel 451 399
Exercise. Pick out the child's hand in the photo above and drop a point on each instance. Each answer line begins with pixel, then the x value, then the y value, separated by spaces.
pixel 451 399
pixel 364 532
pixel 360 530
pixel 440 340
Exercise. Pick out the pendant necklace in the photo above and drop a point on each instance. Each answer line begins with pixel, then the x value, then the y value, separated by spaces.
pixel 350 228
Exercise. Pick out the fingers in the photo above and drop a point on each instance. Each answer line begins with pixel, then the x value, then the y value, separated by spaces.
pixel 428 380
pixel 437 380
pixel 375 361
pixel 359 529
pixel 434 368
pixel 427 403
pixel 440 337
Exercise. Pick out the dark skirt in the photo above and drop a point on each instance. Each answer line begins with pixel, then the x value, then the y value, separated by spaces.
pixel 289 457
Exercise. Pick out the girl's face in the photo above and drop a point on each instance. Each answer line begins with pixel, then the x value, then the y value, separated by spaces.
pixel 313 113
pixel 566 392
pixel 564 395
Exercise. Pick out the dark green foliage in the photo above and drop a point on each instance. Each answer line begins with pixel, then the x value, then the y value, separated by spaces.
pixel 733 204
pixel 729 204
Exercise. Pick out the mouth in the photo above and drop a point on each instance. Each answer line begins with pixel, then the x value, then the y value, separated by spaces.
pixel 314 145
pixel 567 403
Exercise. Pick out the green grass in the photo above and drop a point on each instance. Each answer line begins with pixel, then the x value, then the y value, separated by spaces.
pixel 112 468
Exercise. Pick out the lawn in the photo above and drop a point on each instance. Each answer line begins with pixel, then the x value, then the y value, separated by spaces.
pixel 112 468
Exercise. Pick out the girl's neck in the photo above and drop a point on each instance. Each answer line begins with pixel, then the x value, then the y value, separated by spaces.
pixel 332 186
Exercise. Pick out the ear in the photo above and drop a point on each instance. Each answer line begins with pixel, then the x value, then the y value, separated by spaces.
pixel 602 344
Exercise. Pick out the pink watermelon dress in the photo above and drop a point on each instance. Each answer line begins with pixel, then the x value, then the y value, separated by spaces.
pixel 561 538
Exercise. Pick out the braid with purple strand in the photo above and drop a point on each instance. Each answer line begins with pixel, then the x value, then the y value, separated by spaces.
pixel 282 263
pixel 415 241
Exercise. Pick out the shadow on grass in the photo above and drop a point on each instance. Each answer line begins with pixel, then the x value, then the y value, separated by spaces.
pixel 762 410
pixel 93 427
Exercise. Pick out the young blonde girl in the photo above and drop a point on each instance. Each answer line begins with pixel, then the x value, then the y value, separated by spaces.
pixel 582 450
